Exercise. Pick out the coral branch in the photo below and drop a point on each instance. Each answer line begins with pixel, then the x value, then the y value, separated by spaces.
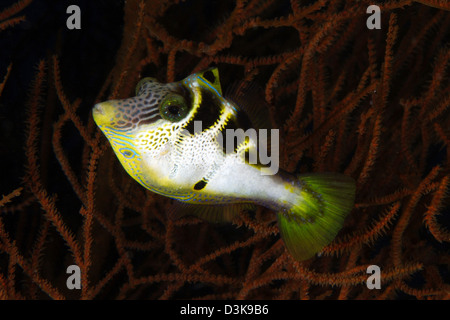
pixel 373 104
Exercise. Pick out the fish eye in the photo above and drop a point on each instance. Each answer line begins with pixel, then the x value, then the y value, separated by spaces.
pixel 142 82
pixel 173 108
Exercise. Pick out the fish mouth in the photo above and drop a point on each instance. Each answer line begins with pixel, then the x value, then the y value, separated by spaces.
pixel 103 113
pixel 98 109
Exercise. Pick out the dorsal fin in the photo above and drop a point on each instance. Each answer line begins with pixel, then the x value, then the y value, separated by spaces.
pixel 249 98
pixel 212 213
pixel 253 112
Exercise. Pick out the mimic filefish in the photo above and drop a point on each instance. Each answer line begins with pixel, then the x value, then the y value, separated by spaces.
pixel 156 137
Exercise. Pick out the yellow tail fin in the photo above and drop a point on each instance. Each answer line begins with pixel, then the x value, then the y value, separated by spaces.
pixel 314 221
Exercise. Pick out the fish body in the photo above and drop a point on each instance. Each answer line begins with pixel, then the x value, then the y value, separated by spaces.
pixel 170 139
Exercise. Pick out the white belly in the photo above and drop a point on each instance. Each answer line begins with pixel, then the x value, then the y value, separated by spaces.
pixel 227 176
pixel 237 179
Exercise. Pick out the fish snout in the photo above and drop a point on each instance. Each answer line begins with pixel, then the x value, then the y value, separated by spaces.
pixel 103 112
pixel 98 109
